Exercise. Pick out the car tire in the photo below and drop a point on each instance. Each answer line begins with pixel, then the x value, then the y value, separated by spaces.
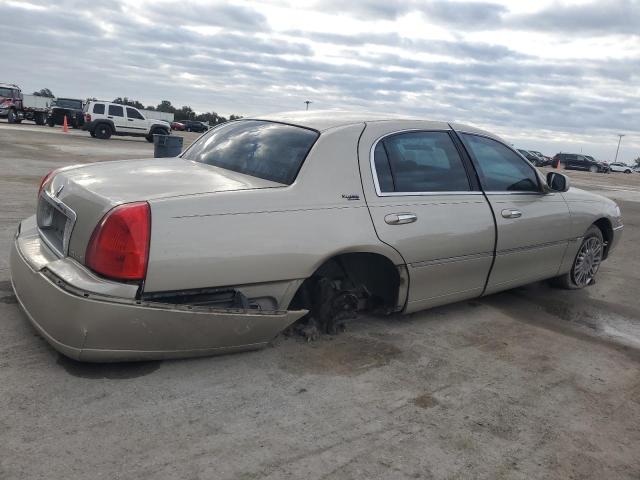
pixel 156 131
pixel 12 117
pixel 103 131
pixel 593 169
pixel 586 262
pixel 627 171
pixel 51 122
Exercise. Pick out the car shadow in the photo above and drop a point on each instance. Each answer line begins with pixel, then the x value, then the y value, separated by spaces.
pixel 111 371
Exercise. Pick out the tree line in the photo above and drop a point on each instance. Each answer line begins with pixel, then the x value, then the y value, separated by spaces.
pixel 183 113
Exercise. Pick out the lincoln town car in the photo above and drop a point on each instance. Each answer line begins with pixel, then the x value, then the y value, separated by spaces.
pixel 268 221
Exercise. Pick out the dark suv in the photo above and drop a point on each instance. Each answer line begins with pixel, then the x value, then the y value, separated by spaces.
pixel 194 126
pixel 576 161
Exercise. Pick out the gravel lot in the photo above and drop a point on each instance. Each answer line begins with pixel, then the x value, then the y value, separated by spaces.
pixel 530 383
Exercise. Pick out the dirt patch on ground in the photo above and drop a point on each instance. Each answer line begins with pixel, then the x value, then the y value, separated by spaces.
pixel 425 401
pixel 341 355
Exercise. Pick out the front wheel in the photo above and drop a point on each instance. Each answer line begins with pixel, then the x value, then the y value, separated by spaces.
pixel 627 171
pixel 586 263
pixel 102 131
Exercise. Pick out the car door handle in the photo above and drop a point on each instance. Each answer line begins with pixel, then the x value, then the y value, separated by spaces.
pixel 130 119
pixel 400 218
pixel 511 213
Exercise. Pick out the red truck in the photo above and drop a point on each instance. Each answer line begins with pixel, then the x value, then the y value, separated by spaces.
pixel 15 107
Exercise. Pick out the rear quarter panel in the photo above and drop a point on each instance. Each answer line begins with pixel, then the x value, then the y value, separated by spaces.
pixel 246 237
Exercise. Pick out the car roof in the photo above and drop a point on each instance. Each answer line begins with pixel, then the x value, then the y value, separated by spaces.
pixel 325 119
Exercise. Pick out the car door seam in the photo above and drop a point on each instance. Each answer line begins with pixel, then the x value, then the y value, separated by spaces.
pixel 486 198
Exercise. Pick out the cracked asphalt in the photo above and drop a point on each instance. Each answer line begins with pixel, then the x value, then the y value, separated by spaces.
pixel 530 383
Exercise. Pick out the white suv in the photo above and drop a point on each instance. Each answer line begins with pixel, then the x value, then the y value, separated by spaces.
pixel 103 119
pixel 620 167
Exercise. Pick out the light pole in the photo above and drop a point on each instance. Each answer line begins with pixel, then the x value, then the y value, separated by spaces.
pixel 307 102
pixel 620 135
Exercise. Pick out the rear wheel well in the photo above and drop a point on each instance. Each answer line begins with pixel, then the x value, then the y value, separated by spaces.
pixel 373 273
pixel 607 233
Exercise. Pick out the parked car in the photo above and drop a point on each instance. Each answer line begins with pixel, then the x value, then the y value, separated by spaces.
pixel 620 167
pixel 179 126
pixel 103 119
pixel 261 221
pixel 575 161
pixel 16 107
pixel 605 165
pixel 72 108
pixel 194 126
pixel 545 160
pixel 537 161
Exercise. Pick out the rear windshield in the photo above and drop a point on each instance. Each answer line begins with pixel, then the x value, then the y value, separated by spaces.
pixel 268 150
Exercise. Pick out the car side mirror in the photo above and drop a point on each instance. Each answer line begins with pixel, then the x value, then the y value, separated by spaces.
pixel 558 182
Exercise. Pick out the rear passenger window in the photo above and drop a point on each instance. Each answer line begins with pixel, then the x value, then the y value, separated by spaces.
pixel 417 162
pixel 116 110
pixel 133 113
pixel 500 169
pixel 98 108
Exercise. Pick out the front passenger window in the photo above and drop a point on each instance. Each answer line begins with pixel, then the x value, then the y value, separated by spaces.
pixel 133 113
pixel 500 169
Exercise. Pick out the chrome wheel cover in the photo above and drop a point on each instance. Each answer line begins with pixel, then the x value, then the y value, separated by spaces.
pixel 587 261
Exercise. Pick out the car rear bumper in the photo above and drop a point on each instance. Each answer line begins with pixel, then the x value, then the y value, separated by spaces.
pixel 94 326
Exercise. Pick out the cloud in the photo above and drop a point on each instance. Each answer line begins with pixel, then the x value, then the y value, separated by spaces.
pixel 470 14
pixel 229 16
pixel 617 17
pixel 473 15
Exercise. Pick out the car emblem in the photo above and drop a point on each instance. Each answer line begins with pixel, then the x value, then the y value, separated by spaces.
pixel 59 190
pixel 351 196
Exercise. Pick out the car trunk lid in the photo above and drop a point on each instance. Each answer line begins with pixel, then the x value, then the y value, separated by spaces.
pixel 76 199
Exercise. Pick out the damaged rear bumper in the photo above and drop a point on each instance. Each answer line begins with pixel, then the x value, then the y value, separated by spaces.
pixel 95 326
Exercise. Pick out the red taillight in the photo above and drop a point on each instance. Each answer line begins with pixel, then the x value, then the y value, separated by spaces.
pixel 87 117
pixel 119 245
pixel 45 179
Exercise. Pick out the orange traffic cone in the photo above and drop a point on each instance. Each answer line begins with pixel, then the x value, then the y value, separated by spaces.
pixel 65 125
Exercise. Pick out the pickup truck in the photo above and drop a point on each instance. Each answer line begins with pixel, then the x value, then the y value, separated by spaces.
pixel 16 107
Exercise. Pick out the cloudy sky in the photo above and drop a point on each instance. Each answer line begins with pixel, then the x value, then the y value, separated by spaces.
pixel 547 75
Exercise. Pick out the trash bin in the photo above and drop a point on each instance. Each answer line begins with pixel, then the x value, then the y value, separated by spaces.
pixel 166 145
